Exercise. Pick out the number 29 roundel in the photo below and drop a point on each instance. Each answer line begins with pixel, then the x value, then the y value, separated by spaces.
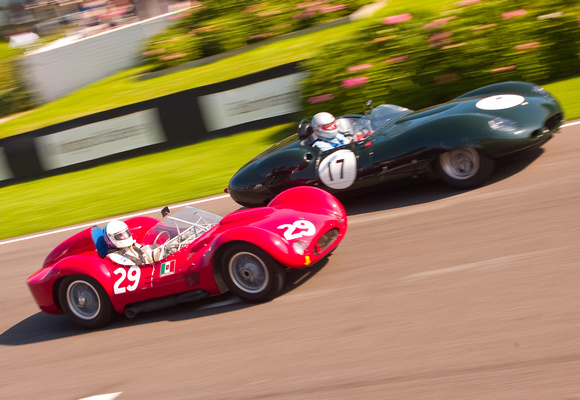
pixel 338 170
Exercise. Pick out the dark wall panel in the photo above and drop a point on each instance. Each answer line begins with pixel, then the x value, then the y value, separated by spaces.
pixel 180 117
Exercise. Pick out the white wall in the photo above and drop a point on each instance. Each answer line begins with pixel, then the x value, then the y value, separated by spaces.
pixel 4 20
pixel 262 100
pixel 57 70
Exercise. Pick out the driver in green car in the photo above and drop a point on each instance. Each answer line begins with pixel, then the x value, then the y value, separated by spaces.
pixel 329 132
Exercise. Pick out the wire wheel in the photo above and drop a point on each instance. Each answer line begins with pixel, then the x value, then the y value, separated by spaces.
pixel 465 167
pixel 248 272
pixel 251 273
pixel 461 163
pixel 85 302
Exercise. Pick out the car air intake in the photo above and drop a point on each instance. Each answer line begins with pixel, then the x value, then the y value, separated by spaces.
pixel 325 241
pixel 553 122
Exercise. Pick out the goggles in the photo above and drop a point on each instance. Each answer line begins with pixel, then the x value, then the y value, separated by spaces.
pixel 329 127
pixel 122 235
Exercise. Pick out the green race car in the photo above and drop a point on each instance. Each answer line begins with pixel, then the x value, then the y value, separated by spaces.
pixel 457 141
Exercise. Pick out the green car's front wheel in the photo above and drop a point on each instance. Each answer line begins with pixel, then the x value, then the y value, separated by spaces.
pixel 465 168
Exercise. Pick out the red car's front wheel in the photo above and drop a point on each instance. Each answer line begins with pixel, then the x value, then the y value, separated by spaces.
pixel 85 302
pixel 251 273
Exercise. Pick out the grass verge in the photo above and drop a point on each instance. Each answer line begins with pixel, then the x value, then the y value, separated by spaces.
pixel 126 186
pixel 154 180
pixel 176 175
pixel 124 88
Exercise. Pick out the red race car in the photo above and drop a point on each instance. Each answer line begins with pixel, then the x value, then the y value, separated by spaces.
pixel 198 254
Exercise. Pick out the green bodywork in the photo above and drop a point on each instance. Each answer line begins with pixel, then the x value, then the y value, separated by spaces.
pixel 497 120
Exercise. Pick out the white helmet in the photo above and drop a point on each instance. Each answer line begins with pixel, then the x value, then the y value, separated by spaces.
pixel 324 125
pixel 117 235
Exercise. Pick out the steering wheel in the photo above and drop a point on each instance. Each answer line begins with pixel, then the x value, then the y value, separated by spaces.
pixel 363 134
pixel 159 236
pixel 366 132
pixel 167 247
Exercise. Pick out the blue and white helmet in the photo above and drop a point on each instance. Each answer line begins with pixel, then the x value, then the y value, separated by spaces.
pixel 117 235
pixel 324 125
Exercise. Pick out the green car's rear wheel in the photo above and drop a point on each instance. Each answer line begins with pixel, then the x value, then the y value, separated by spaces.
pixel 465 167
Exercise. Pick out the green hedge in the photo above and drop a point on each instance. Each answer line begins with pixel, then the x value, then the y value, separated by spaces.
pixel 221 25
pixel 419 59
pixel 13 96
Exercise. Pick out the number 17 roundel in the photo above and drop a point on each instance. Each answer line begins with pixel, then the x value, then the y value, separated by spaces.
pixel 338 170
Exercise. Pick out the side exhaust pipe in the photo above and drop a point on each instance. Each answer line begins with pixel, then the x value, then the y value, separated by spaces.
pixel 165 302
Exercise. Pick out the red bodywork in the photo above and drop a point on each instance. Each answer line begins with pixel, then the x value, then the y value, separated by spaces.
pixel 197 266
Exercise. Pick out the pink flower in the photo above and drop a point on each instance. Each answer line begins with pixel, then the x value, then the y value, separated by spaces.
pixel 278 27
pixel 321 98
pixel 253 9
pixel 172 57
pixel 466 2
pixel 304 15
pixel 268 13
pixel 440 36
pixel 446 78
pixel 452 46
pixel 153 52
pixel 396 59
pixel 260 36
pixel 479 28
pixel 202 30
pixel 503 69
pixel 438 23
pixel 513 14
pixel 309 5
pixel 327 9
pixel 527 46
pixel 440 39
pixel 166 41
pixel 442 43
pixel 384 38
pixel 359 67
pixel 395 19
pixel 352 82
pixel 178 16
pixel 552 15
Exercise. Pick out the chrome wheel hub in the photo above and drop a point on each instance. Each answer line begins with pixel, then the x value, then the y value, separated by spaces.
pixel 248 272
pixel 83 300
pixel 460 163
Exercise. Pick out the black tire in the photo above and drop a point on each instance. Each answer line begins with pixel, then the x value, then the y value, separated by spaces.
pixel 465 167
pixel 251 273
pixel 85 301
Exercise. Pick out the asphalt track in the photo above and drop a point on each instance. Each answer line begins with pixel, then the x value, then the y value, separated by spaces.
pixel 433 294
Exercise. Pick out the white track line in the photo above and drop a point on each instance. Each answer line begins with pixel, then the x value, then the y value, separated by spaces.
pixel 219 304
pixel 88 225
pixel 110 396
pixel 485 264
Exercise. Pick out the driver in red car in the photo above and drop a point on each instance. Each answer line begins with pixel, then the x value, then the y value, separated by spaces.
pixel 126 250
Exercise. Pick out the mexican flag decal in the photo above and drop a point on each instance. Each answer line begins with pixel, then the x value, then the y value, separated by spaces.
pixel 167 268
